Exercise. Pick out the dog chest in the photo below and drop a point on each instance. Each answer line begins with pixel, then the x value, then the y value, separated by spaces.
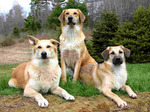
pixel 120 77
pixel 70 56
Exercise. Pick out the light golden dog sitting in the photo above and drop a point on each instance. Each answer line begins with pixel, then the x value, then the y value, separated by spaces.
pixel 112 74
pixel 42 73
pixel 74 53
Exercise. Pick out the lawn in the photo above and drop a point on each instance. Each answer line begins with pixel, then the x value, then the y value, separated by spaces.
pixel 138 79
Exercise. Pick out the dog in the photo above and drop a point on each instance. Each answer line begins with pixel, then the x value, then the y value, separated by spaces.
pixel 74 53
pixel 112 74
pixel 41 74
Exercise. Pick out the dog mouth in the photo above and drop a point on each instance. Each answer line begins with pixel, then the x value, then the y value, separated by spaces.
pixel 71 23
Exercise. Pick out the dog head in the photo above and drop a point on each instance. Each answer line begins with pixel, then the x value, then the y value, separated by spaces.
pixel 43 49
pixel 116 54
pixel 71 17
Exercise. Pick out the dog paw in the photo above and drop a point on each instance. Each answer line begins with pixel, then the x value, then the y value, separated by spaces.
pixel 121 104
pixel 133 95
pixel 69 97
pixel 43 103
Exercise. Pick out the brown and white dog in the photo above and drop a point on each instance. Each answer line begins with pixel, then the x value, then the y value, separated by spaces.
pixel 74 53
pixel 112 74
pixel 41 74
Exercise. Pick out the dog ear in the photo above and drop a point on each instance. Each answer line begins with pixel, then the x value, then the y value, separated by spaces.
pixel 61 17
pixel 32 40
pixel 81 16
pixel 105 54
pixel 126 51
pixel 55 42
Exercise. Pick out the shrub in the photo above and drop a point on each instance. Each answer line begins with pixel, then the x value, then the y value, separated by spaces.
pixel 8 41
pixel 16 32
pixel 136 36
pixel 105 30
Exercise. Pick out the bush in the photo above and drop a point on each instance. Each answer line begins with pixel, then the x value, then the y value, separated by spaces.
pixel 8 41
pixel 136 36
pixel 16 32
pixel 105 30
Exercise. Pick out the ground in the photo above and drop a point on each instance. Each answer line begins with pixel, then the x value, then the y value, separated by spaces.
pixel 21 52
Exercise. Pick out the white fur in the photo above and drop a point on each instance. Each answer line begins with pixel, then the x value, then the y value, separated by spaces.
pixel 120 76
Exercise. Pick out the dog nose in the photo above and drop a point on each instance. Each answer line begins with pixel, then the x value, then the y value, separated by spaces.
pixel 70 18
pixel 44 55
pixel 117 58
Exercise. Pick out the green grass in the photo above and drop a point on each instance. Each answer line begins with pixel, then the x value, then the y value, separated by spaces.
pixel 138 80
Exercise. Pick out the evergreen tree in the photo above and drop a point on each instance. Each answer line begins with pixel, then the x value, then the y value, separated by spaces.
pixel 105 30
pixel 136 36
pixel 32 24
pixel 16 32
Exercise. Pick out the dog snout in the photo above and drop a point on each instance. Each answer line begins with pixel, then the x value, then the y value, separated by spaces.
pixel 70 18
pixel 44 55
pixel 117 60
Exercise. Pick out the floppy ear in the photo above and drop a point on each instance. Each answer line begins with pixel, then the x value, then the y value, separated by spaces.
pixel 61 17
pixel 54 42
pixel 81 16
pixel 105 54
pixel 126 51
pixel 32 40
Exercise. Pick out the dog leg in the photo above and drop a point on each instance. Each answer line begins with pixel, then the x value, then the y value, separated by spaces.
pixel 77 70
pixel 129 91
pixel 107 92
pixel 62 93
pixel 30 92
pixel 63 67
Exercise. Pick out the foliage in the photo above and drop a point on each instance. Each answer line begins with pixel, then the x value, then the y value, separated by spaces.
pixel 7 41
pixel 32 24
pixel 16 32
pixel 136 36
pixel 52 20
pixel 105 30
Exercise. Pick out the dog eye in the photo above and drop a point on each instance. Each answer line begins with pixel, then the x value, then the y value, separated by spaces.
pixel 120 52
pixel 48 46
pixel 39 47
pixel 75 13
pixel 113 53
pixel 67 13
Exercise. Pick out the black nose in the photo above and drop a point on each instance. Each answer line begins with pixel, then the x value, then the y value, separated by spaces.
pixel 70 18
pixel 118 58
pixel 44 55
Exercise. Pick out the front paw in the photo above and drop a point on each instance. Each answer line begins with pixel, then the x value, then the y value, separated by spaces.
pixel 69 97
pixel 43 103
pixel 121 104
pixel 133 95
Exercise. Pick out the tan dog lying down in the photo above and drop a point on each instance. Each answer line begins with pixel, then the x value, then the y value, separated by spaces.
pixel 111 74
pixel 74 53
pixel 42 73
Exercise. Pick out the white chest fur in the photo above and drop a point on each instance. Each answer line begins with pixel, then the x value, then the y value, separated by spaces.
pixel 120 76
pixel 44 77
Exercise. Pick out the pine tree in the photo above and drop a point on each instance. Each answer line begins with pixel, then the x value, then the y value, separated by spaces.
pixel 135 35
pixel 105 30
pixel 16 32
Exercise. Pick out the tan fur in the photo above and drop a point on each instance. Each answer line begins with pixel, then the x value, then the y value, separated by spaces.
pixel 40 74
pixel 107 76
pixel 74 53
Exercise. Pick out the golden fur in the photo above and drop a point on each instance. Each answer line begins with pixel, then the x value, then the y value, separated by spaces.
pixel 107 76
pixel 74 53
pixel 41 74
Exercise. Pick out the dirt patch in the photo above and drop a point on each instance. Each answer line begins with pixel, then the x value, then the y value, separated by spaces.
pixel 81 104
pixel 17 53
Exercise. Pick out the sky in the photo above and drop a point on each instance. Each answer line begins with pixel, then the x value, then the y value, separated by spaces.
pixel 6 5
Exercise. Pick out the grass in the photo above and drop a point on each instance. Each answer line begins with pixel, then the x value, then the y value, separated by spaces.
pixel 138 80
